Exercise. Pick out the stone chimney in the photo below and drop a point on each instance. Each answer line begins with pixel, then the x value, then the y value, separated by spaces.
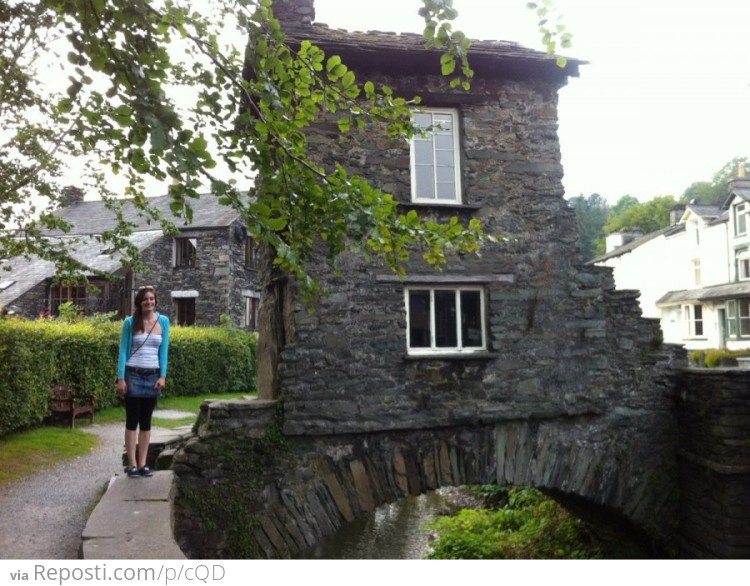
pixel 676 212
pixel 71 195
pixel 739 182
pixel 294 15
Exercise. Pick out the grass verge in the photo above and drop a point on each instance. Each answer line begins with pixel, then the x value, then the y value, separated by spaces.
pixel 25 452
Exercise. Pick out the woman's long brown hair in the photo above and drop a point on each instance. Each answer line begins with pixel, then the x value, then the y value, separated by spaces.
pixel 137 312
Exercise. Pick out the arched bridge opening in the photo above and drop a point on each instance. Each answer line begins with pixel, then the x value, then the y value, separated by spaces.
pixel 245 490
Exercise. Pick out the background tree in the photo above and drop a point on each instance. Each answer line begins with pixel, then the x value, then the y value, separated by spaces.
pixel 126 61
pixel 714 192
pixel 640 217
pixel 591 215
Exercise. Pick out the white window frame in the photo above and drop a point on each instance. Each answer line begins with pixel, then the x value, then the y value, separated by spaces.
pixel 434 348
pixel 743 264
pixel 696 263
pixel 693 322
pixel 740 219
pixel 455 159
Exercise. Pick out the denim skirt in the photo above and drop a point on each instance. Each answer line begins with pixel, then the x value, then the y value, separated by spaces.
pixel 142 385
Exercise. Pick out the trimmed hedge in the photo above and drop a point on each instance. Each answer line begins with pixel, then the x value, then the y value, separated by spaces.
pixel 712 357
pixel 37 355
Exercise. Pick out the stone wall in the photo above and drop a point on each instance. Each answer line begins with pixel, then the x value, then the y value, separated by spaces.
pixel 219 275
pixel 715 463
pixel 562 342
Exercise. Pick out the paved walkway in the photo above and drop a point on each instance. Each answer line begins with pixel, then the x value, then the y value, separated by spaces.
pixel 44 515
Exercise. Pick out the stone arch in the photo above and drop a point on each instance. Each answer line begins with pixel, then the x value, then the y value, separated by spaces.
pixel 289 499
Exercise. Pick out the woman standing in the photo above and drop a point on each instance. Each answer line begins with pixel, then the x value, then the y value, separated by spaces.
pixel 141 375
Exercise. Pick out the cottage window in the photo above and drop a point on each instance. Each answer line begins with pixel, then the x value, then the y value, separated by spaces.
pixel 88 299
pixel 185 307
pixel 445 319
pixel 740 219
pixel 694 319
pixel 696 262
pixel 185 252
pixel 252 305
pixel 743 264
pixel 435 169
pixel 251 253
pixel 738 317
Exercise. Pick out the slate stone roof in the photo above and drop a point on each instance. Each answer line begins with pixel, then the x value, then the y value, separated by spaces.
pixel 93 217
pixel 27 273
pixel 405 52
pixel 635 243
pixel 727 291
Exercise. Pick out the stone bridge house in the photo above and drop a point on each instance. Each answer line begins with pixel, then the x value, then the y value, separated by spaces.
pixel 522 366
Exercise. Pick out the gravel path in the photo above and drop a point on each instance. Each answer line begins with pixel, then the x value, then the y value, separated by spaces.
pixel 44 514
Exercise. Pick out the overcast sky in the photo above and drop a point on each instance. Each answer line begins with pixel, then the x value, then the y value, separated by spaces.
pixel 663 102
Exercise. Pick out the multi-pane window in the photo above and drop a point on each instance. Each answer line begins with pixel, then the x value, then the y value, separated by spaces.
pixel 435 172
pixel 87 299
pixel 444 319
pixel 185 252
pixel 693 319
pixel 738 317
pixel 743 264
pixel 740 219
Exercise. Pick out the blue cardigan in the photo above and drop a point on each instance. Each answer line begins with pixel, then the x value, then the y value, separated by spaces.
pixel 126 341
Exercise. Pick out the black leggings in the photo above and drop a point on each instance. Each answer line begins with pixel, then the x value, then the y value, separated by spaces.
pixel 138 412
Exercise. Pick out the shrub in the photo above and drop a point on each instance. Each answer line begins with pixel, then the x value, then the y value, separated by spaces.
pixel 82 354
pixel 712 358
pixel 528 526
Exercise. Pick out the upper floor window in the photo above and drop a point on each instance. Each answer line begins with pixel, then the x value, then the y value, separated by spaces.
pixel 696 262
pixel 740 219
pixel 251 253
pixel 445 319
pixel 743 264
pixel 185 252
pixel 435 169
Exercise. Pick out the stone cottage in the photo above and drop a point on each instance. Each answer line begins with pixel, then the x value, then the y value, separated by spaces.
pixel 208 269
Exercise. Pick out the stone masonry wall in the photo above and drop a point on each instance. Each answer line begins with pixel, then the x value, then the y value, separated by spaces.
pixel 219 275
pixel 562 342
pixel 715 463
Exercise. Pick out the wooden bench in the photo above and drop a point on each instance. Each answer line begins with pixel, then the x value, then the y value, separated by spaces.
pixel 62 400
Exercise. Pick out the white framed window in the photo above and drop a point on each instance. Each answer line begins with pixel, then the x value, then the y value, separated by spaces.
pixel 743 264
pixel 445 319
pixel 693 319
pixel 740 219
pixel 435 167
pixel 696 262
pixel 252 306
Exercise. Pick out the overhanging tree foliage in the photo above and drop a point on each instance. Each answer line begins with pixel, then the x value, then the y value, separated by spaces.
pixel 127 62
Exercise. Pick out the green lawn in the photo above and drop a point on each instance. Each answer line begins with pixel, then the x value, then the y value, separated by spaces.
pixel 24 452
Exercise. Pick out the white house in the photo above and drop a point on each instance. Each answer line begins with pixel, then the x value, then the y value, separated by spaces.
pixel 694 275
